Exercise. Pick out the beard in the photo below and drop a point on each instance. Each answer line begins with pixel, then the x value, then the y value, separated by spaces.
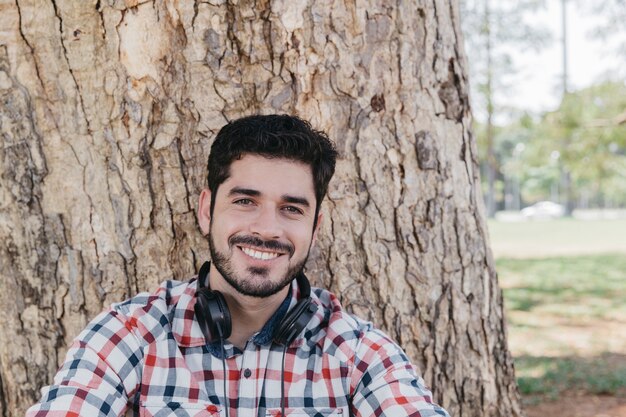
pixel 245 283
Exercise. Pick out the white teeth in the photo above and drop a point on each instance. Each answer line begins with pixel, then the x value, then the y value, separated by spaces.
pixel 259 255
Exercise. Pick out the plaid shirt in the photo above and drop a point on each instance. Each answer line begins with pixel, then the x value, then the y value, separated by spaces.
pixel 148 355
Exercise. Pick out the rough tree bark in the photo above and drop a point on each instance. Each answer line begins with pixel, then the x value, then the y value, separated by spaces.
pixel 108 109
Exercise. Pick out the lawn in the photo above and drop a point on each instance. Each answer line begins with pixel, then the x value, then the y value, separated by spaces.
pixel 564 285
pixel 573 288
pixel 565 237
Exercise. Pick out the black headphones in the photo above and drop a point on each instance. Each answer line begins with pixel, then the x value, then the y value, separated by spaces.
pixel 215 322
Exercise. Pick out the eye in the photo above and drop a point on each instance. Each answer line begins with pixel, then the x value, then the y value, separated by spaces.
pixel 293 210
pixel 243 202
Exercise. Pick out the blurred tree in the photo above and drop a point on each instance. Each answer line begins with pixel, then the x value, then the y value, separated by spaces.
pixel 611 26
pixel 610 29
pixel 585 137
pixel 493 31
pixel 107 110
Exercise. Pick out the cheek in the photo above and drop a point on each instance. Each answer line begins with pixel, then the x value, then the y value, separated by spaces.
pixel 304 237
pixel 227 222
pixel 221 230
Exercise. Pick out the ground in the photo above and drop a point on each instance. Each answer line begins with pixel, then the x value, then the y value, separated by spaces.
pixel 572 405
pixel 564 284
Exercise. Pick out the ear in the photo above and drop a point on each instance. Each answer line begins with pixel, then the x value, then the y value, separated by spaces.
pixel 317 228
pixel 204 211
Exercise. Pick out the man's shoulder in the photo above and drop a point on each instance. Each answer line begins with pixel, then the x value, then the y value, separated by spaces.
pixel 346 335
pixel 163 299
pixel 336 314
pixel 151 315
pixel 340 331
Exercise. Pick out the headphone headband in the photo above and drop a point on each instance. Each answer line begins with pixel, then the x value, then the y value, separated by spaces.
pixel 203 274
pixel 303 285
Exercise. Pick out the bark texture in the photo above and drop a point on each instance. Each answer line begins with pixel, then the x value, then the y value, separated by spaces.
pixel 108 109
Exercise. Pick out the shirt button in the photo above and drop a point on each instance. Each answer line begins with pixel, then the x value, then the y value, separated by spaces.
pixel 247 373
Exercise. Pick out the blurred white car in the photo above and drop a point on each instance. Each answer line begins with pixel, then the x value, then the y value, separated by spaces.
pixel 543 210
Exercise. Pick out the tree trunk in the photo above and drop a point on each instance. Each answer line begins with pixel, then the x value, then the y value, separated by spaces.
pixel 107 114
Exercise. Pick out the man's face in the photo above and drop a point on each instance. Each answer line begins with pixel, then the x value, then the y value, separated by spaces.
pixel 261 229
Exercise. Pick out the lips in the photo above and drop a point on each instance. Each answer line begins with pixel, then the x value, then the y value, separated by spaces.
pixel 261 249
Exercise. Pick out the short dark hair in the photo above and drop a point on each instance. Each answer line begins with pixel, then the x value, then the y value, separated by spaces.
pixel 273 136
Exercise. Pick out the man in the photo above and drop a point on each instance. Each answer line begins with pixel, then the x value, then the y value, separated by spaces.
pixel 248 337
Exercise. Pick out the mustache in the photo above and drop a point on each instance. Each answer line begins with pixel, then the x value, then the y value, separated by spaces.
pixel 272 245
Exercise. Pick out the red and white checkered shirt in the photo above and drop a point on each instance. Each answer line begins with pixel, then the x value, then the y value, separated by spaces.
pixel 148 355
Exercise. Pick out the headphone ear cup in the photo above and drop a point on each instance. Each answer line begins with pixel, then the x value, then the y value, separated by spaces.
pixel 295 321
pixel 212 315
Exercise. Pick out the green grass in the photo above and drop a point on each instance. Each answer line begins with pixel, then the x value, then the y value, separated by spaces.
pixel 564 285
pixel 548 377
pixel 564 237
pixel 574 287
pixel 547 297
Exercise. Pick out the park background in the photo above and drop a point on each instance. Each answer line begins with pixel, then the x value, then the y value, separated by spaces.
pixel 549 105
pixel 108 109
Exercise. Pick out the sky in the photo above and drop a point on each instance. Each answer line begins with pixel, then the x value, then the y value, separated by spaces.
pixel 538 83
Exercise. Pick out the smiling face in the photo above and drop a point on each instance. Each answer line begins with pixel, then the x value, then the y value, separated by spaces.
pixel 262 225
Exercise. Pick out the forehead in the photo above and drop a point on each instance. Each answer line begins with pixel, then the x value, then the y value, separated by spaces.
pixel 259 172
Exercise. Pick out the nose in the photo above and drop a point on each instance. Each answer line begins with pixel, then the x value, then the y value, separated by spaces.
pixel 266 224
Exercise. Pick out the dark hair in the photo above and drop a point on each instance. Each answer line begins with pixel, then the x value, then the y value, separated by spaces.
pixel 272 136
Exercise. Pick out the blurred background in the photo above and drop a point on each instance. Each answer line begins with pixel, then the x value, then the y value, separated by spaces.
pixel 548 93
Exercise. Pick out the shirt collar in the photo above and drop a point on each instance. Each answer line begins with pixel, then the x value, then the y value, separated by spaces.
pixel 187 332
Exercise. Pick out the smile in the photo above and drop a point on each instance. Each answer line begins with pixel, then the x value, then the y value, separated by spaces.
pixel 261 255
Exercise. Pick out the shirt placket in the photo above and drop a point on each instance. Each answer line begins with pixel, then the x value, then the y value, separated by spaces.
pixel 251 375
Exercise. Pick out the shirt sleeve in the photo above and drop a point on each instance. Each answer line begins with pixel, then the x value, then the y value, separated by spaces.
pixel 99 375
pixel 385 383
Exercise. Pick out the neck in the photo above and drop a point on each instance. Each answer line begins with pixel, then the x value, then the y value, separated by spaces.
pixel 248 314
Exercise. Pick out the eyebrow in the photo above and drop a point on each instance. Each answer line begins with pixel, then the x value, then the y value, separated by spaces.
pixel 256 193
pixel 245 191
pixel 296 200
